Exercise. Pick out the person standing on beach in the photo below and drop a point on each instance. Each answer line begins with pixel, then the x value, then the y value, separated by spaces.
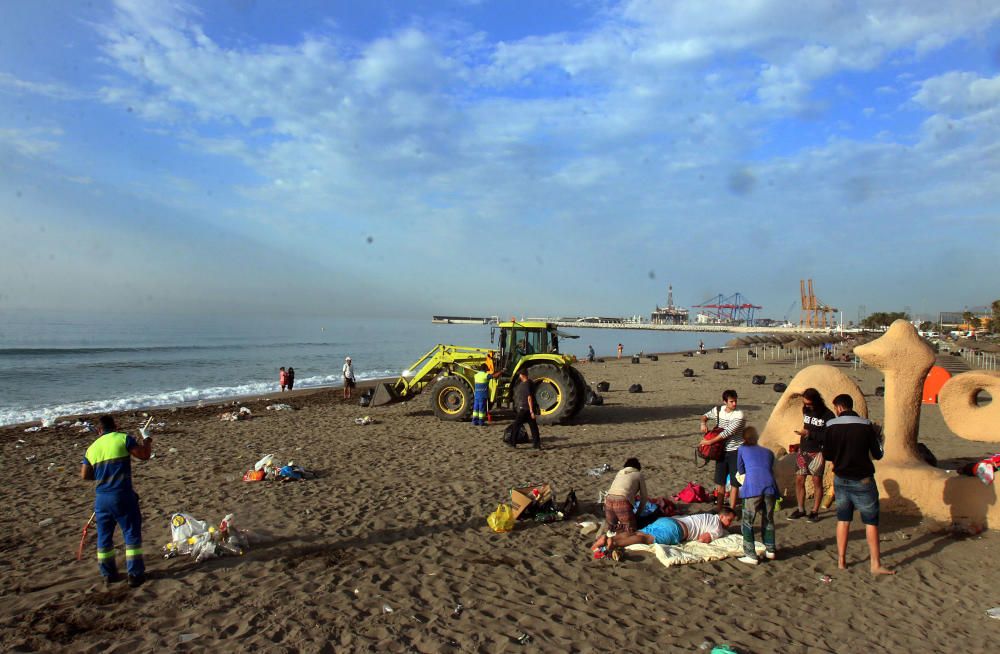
pixel 758 490
pixel 291 377
pixel 480 394
pixel 619 511
pixel 349 380
pixel 809 460
pixel 108 462
pixel 282 378
pixel 590 353
pixel 620 349
pixel 851 443
pixel 732 422
pixel 524 402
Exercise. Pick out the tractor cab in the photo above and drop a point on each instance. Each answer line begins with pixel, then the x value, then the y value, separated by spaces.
pixel 521 339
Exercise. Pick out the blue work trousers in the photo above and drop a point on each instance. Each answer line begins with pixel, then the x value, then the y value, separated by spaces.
pixel 122 509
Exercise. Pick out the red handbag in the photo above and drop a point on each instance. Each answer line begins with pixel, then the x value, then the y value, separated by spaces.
pixel 711 451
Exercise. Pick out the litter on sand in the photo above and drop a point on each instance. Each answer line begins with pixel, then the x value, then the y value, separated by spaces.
pixel 994 612
pixel 188 535
pixel 599 470
pixel 367 420
pixel 243 414
pixel 279 407
pixel 267 470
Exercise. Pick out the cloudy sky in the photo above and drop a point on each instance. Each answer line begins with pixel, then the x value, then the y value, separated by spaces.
pixel 534 156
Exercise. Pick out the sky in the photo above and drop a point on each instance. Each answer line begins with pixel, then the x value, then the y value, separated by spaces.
pixel 539 157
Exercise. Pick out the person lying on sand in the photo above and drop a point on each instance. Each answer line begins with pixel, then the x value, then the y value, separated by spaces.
pixel 701 527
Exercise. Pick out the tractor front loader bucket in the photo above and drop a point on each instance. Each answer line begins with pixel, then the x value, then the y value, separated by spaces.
pixel 385 393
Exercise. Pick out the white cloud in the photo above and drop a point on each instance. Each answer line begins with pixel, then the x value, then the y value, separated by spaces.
pixel 959 93
pixel 34 143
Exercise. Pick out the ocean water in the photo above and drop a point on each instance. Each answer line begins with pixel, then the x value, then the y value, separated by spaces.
pixel 53 365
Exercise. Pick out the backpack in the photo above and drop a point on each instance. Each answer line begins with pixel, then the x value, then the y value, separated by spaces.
pixel 710 451
pixel 692 493
pixel 522 434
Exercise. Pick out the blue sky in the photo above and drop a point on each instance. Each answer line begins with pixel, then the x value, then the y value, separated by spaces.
pixel 574 157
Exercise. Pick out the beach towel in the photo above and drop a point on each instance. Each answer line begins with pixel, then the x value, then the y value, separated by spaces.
pixel 695 552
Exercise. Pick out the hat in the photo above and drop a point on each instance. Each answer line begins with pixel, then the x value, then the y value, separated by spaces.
pixel 347 358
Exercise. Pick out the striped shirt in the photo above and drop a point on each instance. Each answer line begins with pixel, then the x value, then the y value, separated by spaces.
pixel 732 424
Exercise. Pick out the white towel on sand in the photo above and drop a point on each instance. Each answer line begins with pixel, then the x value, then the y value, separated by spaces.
pixel 695 552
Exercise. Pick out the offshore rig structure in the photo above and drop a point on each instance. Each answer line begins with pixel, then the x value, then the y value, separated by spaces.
pixel 670 314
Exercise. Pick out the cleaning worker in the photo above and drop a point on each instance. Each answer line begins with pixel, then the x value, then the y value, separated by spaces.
pixel 108 462
pixel 481 393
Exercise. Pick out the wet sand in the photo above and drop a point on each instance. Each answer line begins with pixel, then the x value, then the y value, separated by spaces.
pixel 378 551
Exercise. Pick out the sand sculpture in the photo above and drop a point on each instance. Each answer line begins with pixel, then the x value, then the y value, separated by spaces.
pixel 906 483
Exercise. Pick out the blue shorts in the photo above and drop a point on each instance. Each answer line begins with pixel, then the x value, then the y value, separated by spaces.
pixel 665 531
pixel 857 494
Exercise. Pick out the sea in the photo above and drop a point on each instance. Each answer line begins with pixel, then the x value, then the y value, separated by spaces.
pixel 54 365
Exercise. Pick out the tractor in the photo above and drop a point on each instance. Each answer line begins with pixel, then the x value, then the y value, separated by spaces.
pixel 448 370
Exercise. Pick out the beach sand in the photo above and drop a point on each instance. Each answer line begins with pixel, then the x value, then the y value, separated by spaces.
pixel 377 553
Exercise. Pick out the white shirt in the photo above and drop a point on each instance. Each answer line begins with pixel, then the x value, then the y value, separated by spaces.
pixel 348 370
pixel 732 424
pixel 702 523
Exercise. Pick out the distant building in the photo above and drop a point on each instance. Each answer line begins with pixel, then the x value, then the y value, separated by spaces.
pixel 950 319
pixel 670 314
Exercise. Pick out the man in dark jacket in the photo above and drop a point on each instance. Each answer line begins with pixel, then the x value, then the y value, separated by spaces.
pixel 524 403
pixel 850 444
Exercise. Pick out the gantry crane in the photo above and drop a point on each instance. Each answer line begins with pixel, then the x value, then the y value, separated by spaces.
pixel 814 313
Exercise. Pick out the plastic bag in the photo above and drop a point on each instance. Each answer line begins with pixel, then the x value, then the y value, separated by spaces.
pixel 502 520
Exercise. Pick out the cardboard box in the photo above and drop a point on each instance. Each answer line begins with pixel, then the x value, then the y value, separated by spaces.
pixel 523 499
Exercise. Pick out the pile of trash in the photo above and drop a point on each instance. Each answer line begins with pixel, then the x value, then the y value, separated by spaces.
pixel 267 470
pixel 279 407
pixel 367 420
pixel 190 536
pixel 242 414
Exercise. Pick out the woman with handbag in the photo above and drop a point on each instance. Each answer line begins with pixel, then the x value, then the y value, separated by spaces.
pixel 730 423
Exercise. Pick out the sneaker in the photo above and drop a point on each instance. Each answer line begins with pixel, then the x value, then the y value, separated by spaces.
pixel 796 514
pixel 749 560
pixel 134 581
pixel 813 517
pixel 769 555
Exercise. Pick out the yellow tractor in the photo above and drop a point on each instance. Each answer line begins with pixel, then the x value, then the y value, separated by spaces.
pixel 447 370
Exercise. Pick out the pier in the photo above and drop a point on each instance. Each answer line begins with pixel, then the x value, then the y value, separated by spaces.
pixel 607 323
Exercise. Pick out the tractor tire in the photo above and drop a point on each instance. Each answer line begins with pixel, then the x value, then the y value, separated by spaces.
pixel 451 399
pixel 581 391
pixel 555 393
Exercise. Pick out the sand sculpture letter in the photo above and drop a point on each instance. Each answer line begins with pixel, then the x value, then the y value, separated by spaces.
pixel 961 412
pixel 904 358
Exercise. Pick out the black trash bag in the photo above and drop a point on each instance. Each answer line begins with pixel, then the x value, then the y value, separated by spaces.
pixel 688 372
pixel 716 365
pixel 779 387
pixel 600 361
pixel 880 391
pixel 569 505
pixel 758 380
pixel 653 357
pixel 522 434
pixel 603 387
pixel 721 365
pixel 689 354
pixel 635 388
pixel 635 359
pixel 596 400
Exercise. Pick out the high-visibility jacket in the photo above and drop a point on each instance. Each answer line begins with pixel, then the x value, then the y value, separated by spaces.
pixel 482 379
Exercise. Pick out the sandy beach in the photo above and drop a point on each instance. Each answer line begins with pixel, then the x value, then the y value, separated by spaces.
pixel 379 552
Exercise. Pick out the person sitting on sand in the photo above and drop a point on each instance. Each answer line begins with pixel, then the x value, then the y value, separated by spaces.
pixel 701 527
pixel 108 462
pixel 851 443
pixel 619 513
